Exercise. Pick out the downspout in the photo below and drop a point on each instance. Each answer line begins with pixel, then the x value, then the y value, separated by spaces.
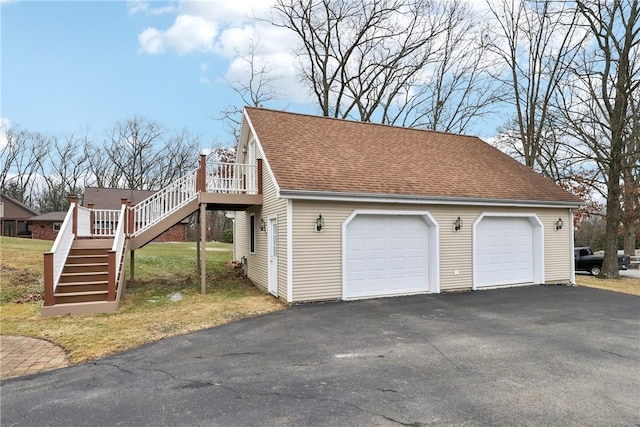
pixel 571 234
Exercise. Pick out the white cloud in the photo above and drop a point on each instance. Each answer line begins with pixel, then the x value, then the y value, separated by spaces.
pixel 228 29
pixel 5 125
pixel 142 6
pixel 187 34
pixel 229 11
pixel 197 22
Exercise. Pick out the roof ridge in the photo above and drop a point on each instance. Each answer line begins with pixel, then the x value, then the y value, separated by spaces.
pixel 359 122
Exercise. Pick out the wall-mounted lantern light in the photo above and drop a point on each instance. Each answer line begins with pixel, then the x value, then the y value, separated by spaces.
pixel 559 224
pixel 244 149
pixel 319 223
pixel 263 225
pixel 457 225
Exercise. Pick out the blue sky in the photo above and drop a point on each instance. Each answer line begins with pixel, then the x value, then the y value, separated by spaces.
pixel 68 66
pixel 75 65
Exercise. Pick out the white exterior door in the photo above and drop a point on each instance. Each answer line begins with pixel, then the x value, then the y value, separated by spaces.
pixel 386 255
pixel 504 252
pixel 272 237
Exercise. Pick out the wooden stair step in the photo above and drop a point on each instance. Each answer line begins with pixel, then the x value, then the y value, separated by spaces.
pixel 93 264
pixel 87 273
pixel 80 294
pixel 87 252
pixel 88 255
pixel 93 282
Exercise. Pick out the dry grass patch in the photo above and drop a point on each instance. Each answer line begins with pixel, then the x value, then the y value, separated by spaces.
pixel 164 301
pixel 625 284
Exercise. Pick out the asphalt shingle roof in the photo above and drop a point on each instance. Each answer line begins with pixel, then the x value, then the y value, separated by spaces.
pixel 109 198
pixel 50 216
pixel 310 153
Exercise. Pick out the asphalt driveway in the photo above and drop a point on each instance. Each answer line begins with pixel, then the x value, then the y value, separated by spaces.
pixel 521 356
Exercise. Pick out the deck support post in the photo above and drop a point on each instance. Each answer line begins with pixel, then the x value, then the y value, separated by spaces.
pixel 132 266
pixel 198 219
pixel 49 298
pixel 203 248
pixel 111 276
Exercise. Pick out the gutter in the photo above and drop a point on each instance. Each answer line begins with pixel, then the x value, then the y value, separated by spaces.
pixel 412 199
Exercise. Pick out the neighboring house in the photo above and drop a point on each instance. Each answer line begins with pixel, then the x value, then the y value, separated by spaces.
pixel 46 226
pixel 110 198
pixel 14 217
pixel 357 210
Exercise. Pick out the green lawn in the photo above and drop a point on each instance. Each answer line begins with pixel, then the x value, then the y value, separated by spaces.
pixel 163 301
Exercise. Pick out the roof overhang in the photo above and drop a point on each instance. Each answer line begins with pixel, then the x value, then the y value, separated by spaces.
pixel 421 200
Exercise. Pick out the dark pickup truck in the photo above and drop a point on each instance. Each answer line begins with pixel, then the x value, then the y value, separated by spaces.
pixel 585 260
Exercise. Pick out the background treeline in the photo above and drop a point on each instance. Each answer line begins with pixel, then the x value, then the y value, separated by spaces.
pixel 43 171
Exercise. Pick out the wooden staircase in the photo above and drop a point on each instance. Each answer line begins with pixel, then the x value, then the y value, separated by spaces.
pixel 85 275
pixel 84 282
pixel 84 271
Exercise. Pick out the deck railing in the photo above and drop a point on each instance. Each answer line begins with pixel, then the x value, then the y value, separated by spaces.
pixel 106 221
pixel 231 178
pixel 97 222
pixel 171 198
pixel 54 260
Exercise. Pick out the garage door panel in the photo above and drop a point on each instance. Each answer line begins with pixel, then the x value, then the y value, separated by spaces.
pixel 386 255
pixel 504 251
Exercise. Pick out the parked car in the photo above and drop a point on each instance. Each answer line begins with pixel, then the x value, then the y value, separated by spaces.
pixel 586 260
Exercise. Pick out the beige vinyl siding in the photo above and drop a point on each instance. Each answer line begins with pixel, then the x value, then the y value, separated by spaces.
pixel 240 235
pixel 558 255
pixel 257 262
pixel 317 257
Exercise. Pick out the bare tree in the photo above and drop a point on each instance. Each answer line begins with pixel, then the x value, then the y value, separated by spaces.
pixel 631 178
pixel 177 155
pixel 555 159
pixel 457 89
pixel 412 63
pixel 21 157
pixel 256 87
pixel 131 148
pixel 359 55
pixel 63 170
pixel 598 104
pixel 537 40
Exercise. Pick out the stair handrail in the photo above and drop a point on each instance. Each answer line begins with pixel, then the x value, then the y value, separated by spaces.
pixel 117 249
pixel 154 208
pixel 55 259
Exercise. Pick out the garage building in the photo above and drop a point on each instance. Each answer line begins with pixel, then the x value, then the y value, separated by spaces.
pixel 358 210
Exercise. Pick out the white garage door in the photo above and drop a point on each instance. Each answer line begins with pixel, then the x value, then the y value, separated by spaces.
pixel 503 252
pixel 386 255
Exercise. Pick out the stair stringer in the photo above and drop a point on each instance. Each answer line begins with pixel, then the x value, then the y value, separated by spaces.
pixel 168 221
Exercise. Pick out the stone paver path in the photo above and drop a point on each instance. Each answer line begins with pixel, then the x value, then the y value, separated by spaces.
pixel 23 356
